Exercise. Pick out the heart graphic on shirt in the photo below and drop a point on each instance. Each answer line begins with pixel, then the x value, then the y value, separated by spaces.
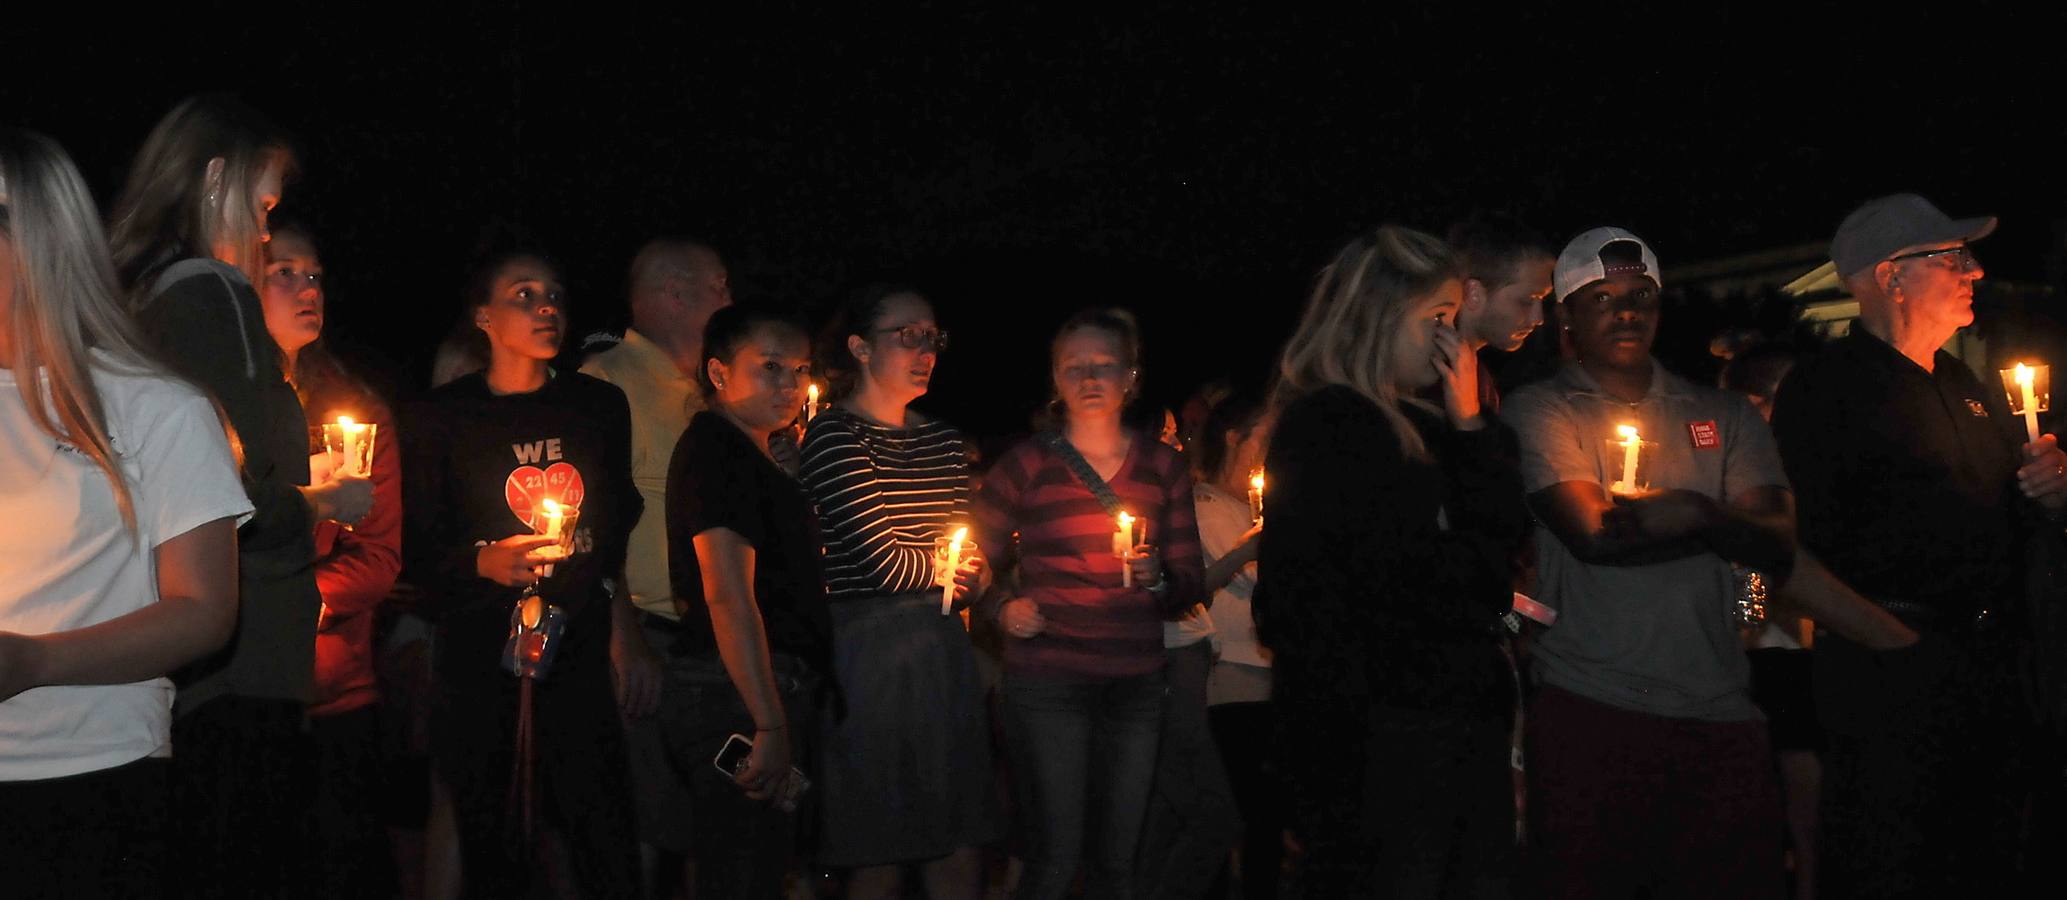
pixel 529 487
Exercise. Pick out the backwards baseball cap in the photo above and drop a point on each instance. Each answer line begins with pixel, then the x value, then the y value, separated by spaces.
pixel 1594 256
pixel 1897 222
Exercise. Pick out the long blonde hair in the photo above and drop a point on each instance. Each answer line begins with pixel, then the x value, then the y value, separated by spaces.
pixel 169 210
pixel 64 301
pixel 1360 301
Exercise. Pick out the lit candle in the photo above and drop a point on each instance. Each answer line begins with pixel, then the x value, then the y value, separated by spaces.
pixel 350 430
pixel 553 516
pixel 1123 547
pixel 811 403
pixel 954 563
pixel 1256 496
pixel 2024 384
pixel 1631 443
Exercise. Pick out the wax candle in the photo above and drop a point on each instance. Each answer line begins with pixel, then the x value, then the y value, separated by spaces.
pixel 954 564
pixel 553 516
pixel 2024 385
pixel 1123 547
pixel 811 403
pixel 1256 496
pixel 1631 443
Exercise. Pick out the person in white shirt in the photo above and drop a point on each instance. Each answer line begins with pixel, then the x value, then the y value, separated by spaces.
pixel 122 501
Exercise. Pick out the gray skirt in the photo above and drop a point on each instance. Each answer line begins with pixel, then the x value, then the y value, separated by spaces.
pixel 908 773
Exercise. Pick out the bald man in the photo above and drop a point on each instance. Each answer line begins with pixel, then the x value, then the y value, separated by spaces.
pixel 674 284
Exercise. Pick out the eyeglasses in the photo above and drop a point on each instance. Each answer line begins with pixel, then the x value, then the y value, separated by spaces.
pixel 1962 257
pixel 912 337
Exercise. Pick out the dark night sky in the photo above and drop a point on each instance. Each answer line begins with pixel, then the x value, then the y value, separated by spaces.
pixel 1197 167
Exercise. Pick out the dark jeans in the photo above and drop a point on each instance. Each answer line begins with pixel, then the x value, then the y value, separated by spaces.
pixel 351 843
pixel 1192 822
pixel 1243 731
pixel 747 844
pixel 581 787
pixel 100 834
pixel 1418 805
pixel 239 798
pixel 1082 750
pixel 1626 804
pixel 1926 771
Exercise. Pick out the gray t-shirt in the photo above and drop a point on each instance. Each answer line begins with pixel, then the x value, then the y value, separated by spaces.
pixel 1656 638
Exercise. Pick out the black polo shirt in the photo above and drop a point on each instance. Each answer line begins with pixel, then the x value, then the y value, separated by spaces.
pixel 1906 479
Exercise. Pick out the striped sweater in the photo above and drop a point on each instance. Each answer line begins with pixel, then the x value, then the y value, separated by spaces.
pixel 1095 628
pixel 883 494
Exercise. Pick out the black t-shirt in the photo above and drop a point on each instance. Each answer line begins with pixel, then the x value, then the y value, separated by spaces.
pixel 1905 480
pixel 477 466
pixel 719 479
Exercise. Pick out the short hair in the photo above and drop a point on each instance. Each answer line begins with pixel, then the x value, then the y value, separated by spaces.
pixel 1488 246
pixel 653 262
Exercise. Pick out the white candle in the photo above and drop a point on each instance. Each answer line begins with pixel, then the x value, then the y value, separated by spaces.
pixel 954 564
pixel 350 430
pixel 811 403
pixel 2024 377
pixel 1256 496
pixel 553 517
pixel 1631 444
pixel 1123 547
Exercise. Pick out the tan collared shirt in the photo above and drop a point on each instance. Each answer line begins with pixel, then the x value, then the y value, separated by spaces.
pixel 662 400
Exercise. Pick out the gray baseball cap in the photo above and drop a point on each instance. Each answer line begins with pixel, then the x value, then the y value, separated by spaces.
pixel 1888 225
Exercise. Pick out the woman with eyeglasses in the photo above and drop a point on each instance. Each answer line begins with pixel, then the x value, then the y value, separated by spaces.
pixel 487 460
pixel 908 769
pixel 1100 520
pixel 355 569
pixel 119 545
pixel 187 239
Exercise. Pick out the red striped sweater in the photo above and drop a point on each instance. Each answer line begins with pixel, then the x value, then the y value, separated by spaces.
pixel 1095 628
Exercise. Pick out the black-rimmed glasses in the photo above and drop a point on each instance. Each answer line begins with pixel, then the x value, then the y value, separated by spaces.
pixel 1962 257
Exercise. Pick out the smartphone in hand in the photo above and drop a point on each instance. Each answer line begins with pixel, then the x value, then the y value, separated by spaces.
pixel 731 760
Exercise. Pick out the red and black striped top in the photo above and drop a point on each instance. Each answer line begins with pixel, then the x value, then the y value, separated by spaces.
pixel 1095 628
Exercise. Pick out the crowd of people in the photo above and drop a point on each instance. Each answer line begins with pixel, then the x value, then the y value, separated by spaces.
pixel 1376 628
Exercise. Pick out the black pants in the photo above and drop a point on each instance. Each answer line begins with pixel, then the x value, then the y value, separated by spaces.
pixel 100 834
pixel 1243 731
pixel 581 785
pixel 1420 804
pixel 1926 767
pixel 239 798
pixel 1192 821
pixel 355 858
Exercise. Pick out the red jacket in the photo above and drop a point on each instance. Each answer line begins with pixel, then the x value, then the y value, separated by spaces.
pixel 355 570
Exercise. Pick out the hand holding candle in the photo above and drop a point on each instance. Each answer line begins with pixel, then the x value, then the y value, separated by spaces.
pixel 1127 539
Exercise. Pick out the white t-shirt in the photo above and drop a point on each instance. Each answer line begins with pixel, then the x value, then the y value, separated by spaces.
pixel 71 562
pixel 1223 519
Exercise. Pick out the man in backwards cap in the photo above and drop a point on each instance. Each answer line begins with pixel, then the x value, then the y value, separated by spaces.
pixel 1649 767
pixel 1917 487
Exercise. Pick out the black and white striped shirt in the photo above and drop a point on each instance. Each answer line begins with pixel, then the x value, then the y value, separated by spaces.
pixel 883 495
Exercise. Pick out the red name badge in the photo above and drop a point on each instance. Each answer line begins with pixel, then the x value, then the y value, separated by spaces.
pixel 1704 435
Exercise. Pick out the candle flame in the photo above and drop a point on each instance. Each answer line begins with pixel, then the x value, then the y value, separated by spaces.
pixel 812 392
pixel 551 508
pixel 2024 375
pixel 1256 480
pixel 961 534
pixel 1628 432
pixel 346 421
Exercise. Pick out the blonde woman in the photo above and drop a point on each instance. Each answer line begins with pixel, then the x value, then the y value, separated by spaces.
pixel 187 240
pixel 119 545
pixel 1383 579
